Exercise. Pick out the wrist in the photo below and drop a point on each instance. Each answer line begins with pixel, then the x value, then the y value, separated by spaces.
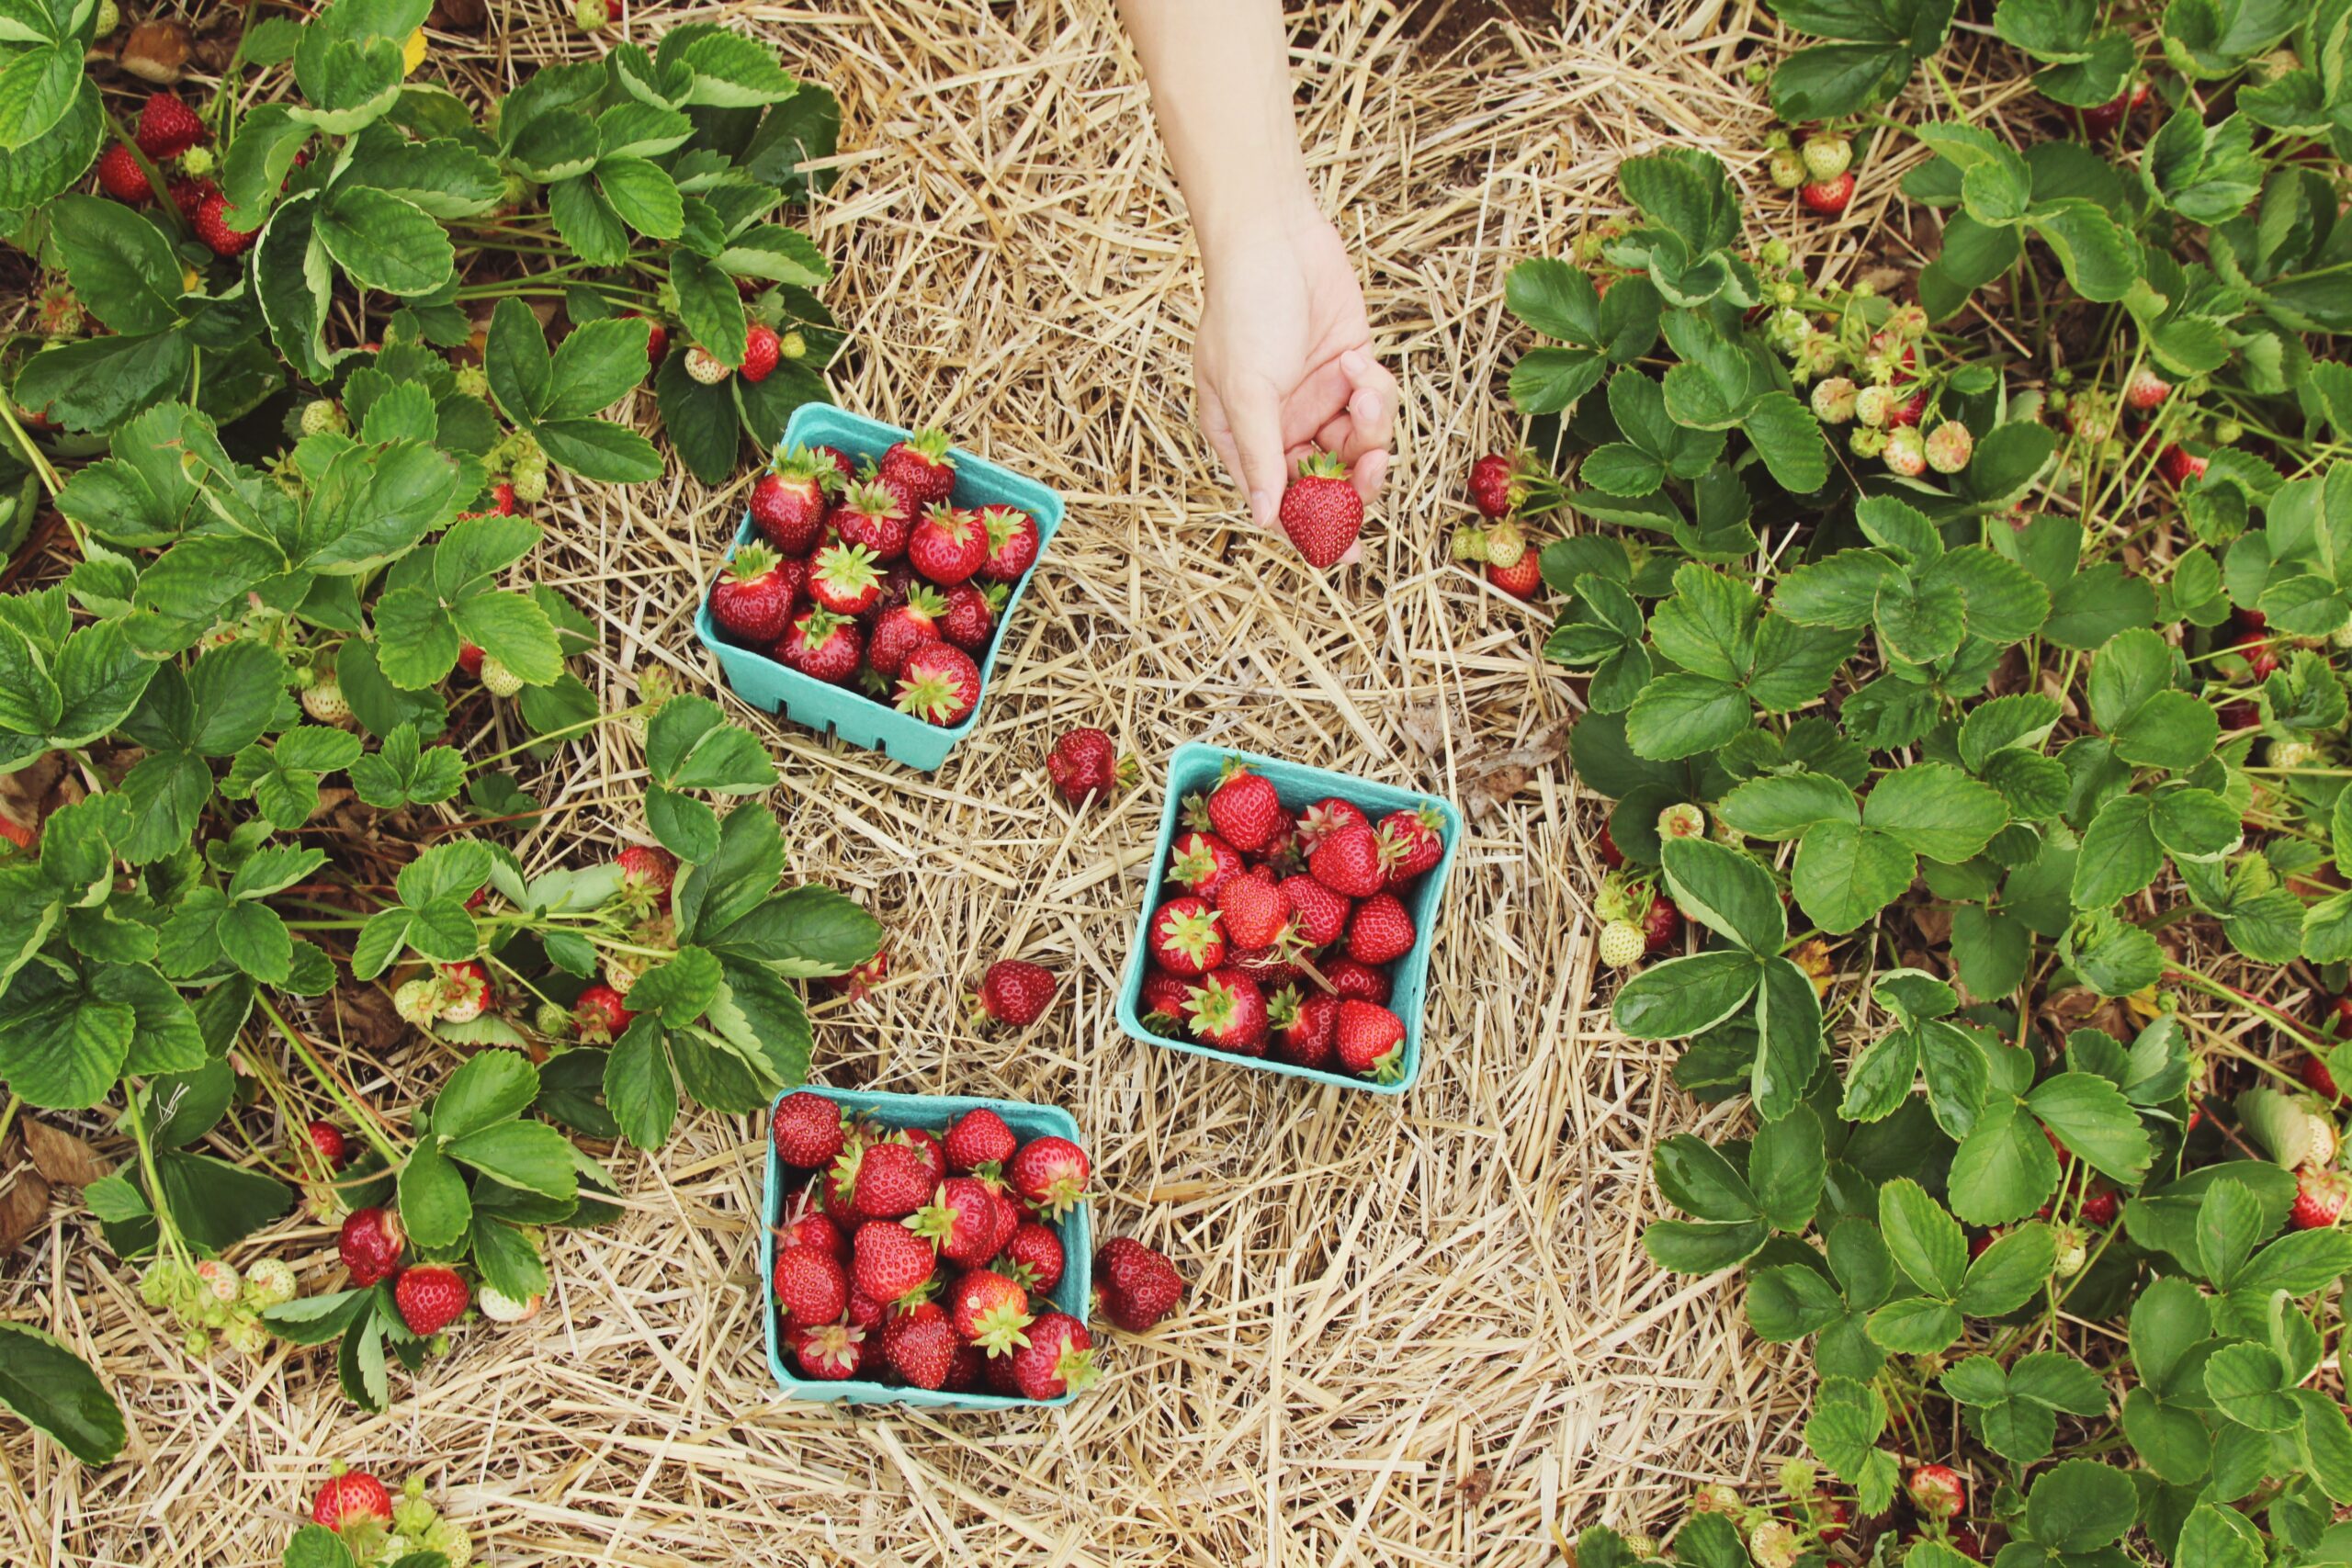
pixel 1279 215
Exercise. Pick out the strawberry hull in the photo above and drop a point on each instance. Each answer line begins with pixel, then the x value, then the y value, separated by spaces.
pixel 1194 769
pixel 852 715
pixel 1073 1294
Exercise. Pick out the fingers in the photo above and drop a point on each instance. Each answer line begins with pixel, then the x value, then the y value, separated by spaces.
pixel 1371 414
pixel 1219 429
pixel 1255 413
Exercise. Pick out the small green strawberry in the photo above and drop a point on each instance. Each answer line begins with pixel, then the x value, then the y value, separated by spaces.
pixel 1623 944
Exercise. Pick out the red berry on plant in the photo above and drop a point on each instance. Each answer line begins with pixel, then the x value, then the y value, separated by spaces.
pixel 430 1297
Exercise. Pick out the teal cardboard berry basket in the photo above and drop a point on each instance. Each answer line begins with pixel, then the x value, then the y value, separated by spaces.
pixel 852 715
pixel 1073 1294
pixel 1194 769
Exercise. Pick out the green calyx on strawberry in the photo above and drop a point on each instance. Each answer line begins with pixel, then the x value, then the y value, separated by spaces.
pixel 939 684
pixel 1321 510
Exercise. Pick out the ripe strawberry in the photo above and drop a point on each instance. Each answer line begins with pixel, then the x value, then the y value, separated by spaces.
pixel 2104 120
pixel 1317 917
pixel 1051 1173
pixel 978 1138
pixel 1199 861
pixel 1269 968
pixel 1352 981
pixel 920 467
pixel 1058 1359
pixel 810 1286
pixel 807 1129
pixel 821 643
pixel 2100 1208
pixel 648 871
pixel 989 1309
pixel 1321 510
pixel 190 196
pixel 2178 465
pixel 1827 198
pixel 2320 1194
pixel 1244 809
pixel 750 601
pixel 893 1179
pixel 657 345
pixel 2318 1079
pixel 1661 923
pixel 1014 542
pixel 1253 912
pixel 1085 762
pixel 947 546
pixel 1325 818
pixel 966 1370
pixel 350 1496
pixel 788 504
pixel 1350 863
pixel 871 517
pixel 1012 993
pixel 370 1244
pixel 1227 1010
pixel 1522 579
pixel 865 1312
pixel 960 1220
pixel 969 621
pixel 1302 1031
pixel 1379 932
pixel 939 684
pixel 470 658
pixel 813 1227
pixel 601 1015
pixel 1495 487
pixel 1163 1002
pixel 1032 1258
pixel 925 1142
pixel 120 176
pixel 920 1345
pixel 887 1260
pixel 831 1352
pixel 1412 842
pixel 902 628
pixel 214 230
pixel 2145 391
pixel 1370 1041
pixel 762 349
pixel 843 578
pixel 430 1296
pixel 1136 1286
pixel 167 126
pixel 1186 937
pixel 328 1140
pixel 1009 1212
pixel 1937 1490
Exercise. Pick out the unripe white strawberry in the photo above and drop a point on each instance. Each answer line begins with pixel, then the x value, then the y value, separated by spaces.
pixel 2146 390
pixel 1818 354
pixel 2321 1150
pixel 1950 446
pixel 1874 405
pixel 1906 451
pixel 622 969
pixel 320 415
pixel 531 482
pixel 109 17
pixel 2073 1252
pixel 1623 944
pixel 497 679
pixel 417 1001
pixel 1907 323
pixel 1867 441
pixel 1834 399
pixel 1826 157
pixel 2341 637
pixel 2284 754
pixel 1506 544
pixel 218 1277
pixel 1470 544
pixel 269 1282
pixel 1787 169
pixel 499 1307
pixel 1682 820
pixel 589 16
pixel 324 700
pixel 791 345
pixel 1774 1544
pixel 706 367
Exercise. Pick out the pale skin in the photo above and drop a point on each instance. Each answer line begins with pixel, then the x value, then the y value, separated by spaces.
pixel 1282 359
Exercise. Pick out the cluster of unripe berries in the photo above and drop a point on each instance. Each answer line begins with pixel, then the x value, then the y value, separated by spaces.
pixel 209 1296
pixel 1820 169
pixel 1882 400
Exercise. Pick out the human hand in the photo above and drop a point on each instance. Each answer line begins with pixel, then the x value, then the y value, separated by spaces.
pixel 1283 362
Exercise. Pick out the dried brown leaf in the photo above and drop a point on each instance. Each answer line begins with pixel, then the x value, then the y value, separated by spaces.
pixel 62 1157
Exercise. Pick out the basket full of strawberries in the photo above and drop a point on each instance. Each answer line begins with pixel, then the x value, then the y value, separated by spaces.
pixel 872 580
pixel 1290 919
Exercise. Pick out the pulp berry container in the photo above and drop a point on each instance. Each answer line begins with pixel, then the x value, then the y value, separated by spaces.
pixel 852 715
pixel 1073 1294
pixel 1194 769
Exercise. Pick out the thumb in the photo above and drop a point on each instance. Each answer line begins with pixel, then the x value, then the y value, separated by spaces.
pixel 1256 415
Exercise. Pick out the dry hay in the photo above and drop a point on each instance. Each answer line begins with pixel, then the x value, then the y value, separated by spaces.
pixel 1417 1334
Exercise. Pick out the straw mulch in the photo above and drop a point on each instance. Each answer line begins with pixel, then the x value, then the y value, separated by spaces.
pixel 1419 1333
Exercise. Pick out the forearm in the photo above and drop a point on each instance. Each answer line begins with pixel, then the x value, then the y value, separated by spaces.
pixel 1220 88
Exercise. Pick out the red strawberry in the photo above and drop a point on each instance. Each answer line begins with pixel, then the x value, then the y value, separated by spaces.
pixel 920 467
pixel 1350 863
pixel 1301 1030
pixel 750 601
pixel 965 1372
pixel 1253 911
pixel 1661 923
pixel 1325 818
pixel 1227 1010
pixel 960 1220
pixel 1522 579
pixel 2178 465
pixel 1014 542
pixel 831 1352
pixel 970 620
pixel 657 343
pixel 1606 849
pixel 925 1142
pixel 1269 968
pixel 1317 916
pixel 1370 1041
pixel 840 461
pixel 920 1345
pixel 939 684
pixel 1827 198
pixel 470 658
pixel 1321 510
pixel 893 1179
pixel 1495 489
pixel 2319 1198
pixel 1137 1286
pixel 167 126
pixel 1380 931
pixel 601 1014
pixel 1244 809
pixel 807 1129
pixel 843 578
pixel 430 1297
pixel 902 628
pixel 647 871
pixel 813 1227
pixel 2318 1079
pixel 864 1310
pixel 214 230
pixel 810 1286
pixel 1163 1002
pixel 1352 981
pixel 1200 861
pixel 762 349
pixel 989 1309
pixel 978 1137
pixel 1012 993
pixel 190 196
pixel 1186 937
pixel 1051 1173
pixel 947 546
pixel 887 1260
pixel 2104 120
pixel 1283 856
pixel 1058 1359
pixel 120 176
pixel 327 1138
pixel 861 979
pixel 1085 762
pixel 824 645
pixel 2100 1208
pixel 1412 842
pixel 870 515
pixel 1937 1490
pixel 349 1496
pixel 2239 715
pixel 789 502
pixel 1033 1257
pixel 369 1244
